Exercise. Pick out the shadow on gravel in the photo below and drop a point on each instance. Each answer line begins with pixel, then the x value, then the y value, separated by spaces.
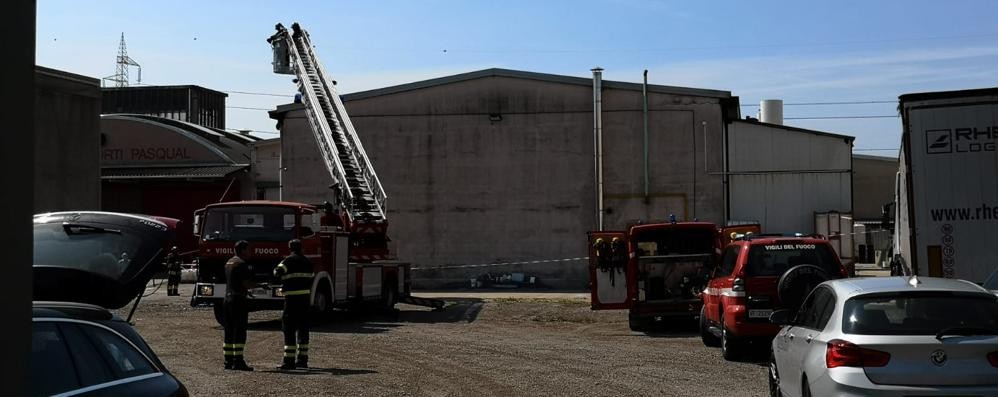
pixel 458 310
pixel 672 329
pixel 329 325
pixel 322 371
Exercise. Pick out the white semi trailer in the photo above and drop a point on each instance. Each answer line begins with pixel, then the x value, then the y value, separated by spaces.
pixel 946 191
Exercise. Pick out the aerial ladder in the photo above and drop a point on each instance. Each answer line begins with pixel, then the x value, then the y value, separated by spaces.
pixel 360 198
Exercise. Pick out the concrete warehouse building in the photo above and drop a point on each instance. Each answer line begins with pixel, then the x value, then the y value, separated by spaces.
pixel 497 166
pixel 66 141
pixel 873 179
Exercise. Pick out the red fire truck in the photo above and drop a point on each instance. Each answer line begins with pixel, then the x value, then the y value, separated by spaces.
pixel 346 241
pixel 656 270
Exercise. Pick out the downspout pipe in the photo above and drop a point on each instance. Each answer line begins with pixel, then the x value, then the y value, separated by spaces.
pixel 598 142
pixel 644 96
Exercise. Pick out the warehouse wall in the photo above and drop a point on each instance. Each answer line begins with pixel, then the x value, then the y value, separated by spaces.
pixel 780 177
pixel 67 141
pixel 464 189
pixel 873 180
pixel 265 166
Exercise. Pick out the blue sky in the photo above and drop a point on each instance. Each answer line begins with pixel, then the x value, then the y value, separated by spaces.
pixel 800 52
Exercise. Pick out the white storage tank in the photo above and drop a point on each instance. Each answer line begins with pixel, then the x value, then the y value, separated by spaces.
pixel 771 111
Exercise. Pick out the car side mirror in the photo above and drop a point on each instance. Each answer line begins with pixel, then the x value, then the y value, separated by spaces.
pixel 780 317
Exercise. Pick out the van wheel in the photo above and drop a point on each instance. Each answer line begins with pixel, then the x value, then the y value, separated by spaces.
pixel 219 310
pixel 706 336
pixel 638 323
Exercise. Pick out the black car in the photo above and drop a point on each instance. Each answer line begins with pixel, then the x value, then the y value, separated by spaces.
pixel 86 263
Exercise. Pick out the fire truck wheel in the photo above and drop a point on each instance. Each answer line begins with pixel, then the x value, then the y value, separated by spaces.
pixel 706 336
pixel 389 297
pixel 322 296
pixel 219 313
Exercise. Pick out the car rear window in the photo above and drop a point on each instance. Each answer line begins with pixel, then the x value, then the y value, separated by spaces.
pixel 775 259
pixel 924 313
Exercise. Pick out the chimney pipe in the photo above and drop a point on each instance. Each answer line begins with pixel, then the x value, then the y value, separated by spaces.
pixel 598 141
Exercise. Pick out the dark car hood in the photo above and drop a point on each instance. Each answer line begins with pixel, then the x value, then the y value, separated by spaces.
pixel 99 258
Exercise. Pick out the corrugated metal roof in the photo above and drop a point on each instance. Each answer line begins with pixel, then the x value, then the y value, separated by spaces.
pixel 170 172
pixel 877 158
pixel 796 129
pixel 165 87
pixel 235 146
pixel 555 78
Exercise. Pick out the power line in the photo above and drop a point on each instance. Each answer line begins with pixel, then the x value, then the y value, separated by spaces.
pixel 258 93
pixel 231 92
pixel 841 117
pixel 826 103
pixel 668 49
pixel 256 131
pixel 246 108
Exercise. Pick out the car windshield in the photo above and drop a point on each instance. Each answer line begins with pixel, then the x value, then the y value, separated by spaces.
pixel 925 313
pixel 775 259
pixel 107 252
pixel 259 223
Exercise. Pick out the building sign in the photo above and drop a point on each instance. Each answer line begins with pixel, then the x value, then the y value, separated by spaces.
pixel 149 153
pixel 138 142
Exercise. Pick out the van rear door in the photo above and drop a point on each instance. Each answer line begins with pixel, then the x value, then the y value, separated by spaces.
pixel 611 279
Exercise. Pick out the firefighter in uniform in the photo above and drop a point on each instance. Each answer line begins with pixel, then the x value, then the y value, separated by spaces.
pixel 173 273
pixel 239 280
pixel 295 275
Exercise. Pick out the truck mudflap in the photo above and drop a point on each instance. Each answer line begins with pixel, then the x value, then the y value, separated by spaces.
pixel 436 304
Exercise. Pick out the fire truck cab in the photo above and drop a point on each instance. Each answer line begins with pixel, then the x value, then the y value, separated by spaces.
pixel 268 226
pixel 655 270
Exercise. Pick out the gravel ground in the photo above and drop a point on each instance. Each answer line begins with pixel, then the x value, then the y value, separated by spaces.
pixel 476 346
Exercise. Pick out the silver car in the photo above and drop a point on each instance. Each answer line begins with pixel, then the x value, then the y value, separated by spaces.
pixel 888 336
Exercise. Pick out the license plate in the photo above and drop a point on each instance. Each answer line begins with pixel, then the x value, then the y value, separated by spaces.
pixel 759 313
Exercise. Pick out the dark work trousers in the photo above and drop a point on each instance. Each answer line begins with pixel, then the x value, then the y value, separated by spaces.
pixel 236 316
pixel 295 322
pixel 173 283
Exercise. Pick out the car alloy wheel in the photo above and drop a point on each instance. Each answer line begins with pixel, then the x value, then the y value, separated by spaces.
pixel 774 379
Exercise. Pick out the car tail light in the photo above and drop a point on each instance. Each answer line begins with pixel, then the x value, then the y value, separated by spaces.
pixel 993 359
pixel 840 353
pixel 738 285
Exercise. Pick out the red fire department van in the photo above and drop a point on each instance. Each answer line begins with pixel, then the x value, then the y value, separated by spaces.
pixel 655 270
